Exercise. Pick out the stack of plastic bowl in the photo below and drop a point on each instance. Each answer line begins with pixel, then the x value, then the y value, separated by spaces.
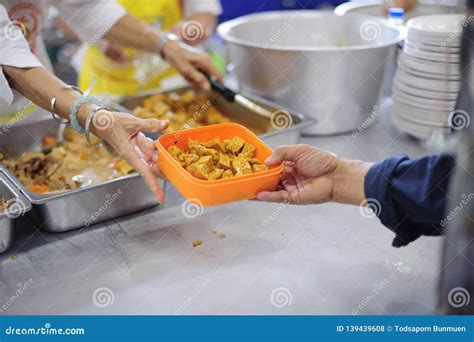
pixel 428 78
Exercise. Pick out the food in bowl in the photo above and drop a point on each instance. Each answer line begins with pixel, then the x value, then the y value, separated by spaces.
pixel 208 193
pixel 217 158
pixel 69 165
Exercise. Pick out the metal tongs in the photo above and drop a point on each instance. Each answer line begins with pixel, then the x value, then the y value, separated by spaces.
pixel 232 96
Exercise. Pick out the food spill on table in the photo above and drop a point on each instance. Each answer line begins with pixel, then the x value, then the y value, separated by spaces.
pixel 219 235
pixel 197 243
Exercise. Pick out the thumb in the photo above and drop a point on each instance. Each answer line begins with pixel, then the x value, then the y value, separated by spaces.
pixel 281 154
pixel 151 125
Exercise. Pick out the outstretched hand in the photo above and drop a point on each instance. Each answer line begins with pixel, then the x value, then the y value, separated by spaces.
pixel 313 176
pixel 124 133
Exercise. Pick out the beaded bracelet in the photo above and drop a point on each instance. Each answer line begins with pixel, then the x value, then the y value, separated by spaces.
pixel 75 108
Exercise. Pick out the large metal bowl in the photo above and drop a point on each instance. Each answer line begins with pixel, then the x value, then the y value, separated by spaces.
pixel 326 66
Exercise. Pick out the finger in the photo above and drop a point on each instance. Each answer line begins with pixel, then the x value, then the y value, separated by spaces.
pixel 287 179
pixel 289 167
pixel 205 64
pixel 196 78
pixel 146 145
pixel 273 196
pixel 284 153
pixel 150 125
pixel 141 166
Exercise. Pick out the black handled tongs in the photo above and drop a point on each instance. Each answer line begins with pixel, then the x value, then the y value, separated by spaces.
pixel 232 96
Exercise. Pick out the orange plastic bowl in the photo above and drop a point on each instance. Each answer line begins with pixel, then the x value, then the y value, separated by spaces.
pixel 220 191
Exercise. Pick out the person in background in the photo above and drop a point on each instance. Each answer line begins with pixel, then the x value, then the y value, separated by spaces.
pixel 27 86
pixel 124 71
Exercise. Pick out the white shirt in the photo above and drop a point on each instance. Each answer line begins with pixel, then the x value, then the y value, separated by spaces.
pixel 202 6
pixel 90 19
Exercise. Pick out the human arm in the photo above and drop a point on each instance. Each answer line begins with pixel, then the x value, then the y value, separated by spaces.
pixel 409 196
pixel 122 131
pixel 412 195
pixel 124 29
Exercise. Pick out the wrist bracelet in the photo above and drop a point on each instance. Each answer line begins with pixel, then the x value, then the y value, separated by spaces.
pixel 52 105
pixel 52 108
pixel 90 117
pixel 75 108
pixel 165 38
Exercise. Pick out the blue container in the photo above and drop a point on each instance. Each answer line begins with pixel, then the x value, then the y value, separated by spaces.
pixel 237 8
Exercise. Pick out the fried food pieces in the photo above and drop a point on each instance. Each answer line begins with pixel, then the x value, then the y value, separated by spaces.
pixel 218 159
pixel 66 166
pixel 185 110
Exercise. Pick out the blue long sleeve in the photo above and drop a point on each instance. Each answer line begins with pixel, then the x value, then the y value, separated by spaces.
pixel 412 195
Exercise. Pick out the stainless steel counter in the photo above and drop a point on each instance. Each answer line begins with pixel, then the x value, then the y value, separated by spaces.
pixel 325 259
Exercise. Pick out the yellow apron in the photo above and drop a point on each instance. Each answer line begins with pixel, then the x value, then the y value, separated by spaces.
pixel 121 78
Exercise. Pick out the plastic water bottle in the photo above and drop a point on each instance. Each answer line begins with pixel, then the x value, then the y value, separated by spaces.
pixel 396 15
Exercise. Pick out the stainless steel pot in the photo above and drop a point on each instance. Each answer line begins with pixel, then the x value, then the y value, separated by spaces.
pixel 326 66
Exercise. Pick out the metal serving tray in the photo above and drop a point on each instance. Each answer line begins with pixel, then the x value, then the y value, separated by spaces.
pixel 273 137
pixel 18 206
pixel 64 211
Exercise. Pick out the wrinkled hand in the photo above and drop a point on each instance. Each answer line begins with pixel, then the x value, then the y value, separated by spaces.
pixel 307 177
pixel 191 63
pixel 123 132
pixel 313 176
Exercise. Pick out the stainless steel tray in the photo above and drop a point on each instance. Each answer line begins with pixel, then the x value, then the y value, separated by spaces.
pixel 64 211
pixel 273 137
pixel 18 206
